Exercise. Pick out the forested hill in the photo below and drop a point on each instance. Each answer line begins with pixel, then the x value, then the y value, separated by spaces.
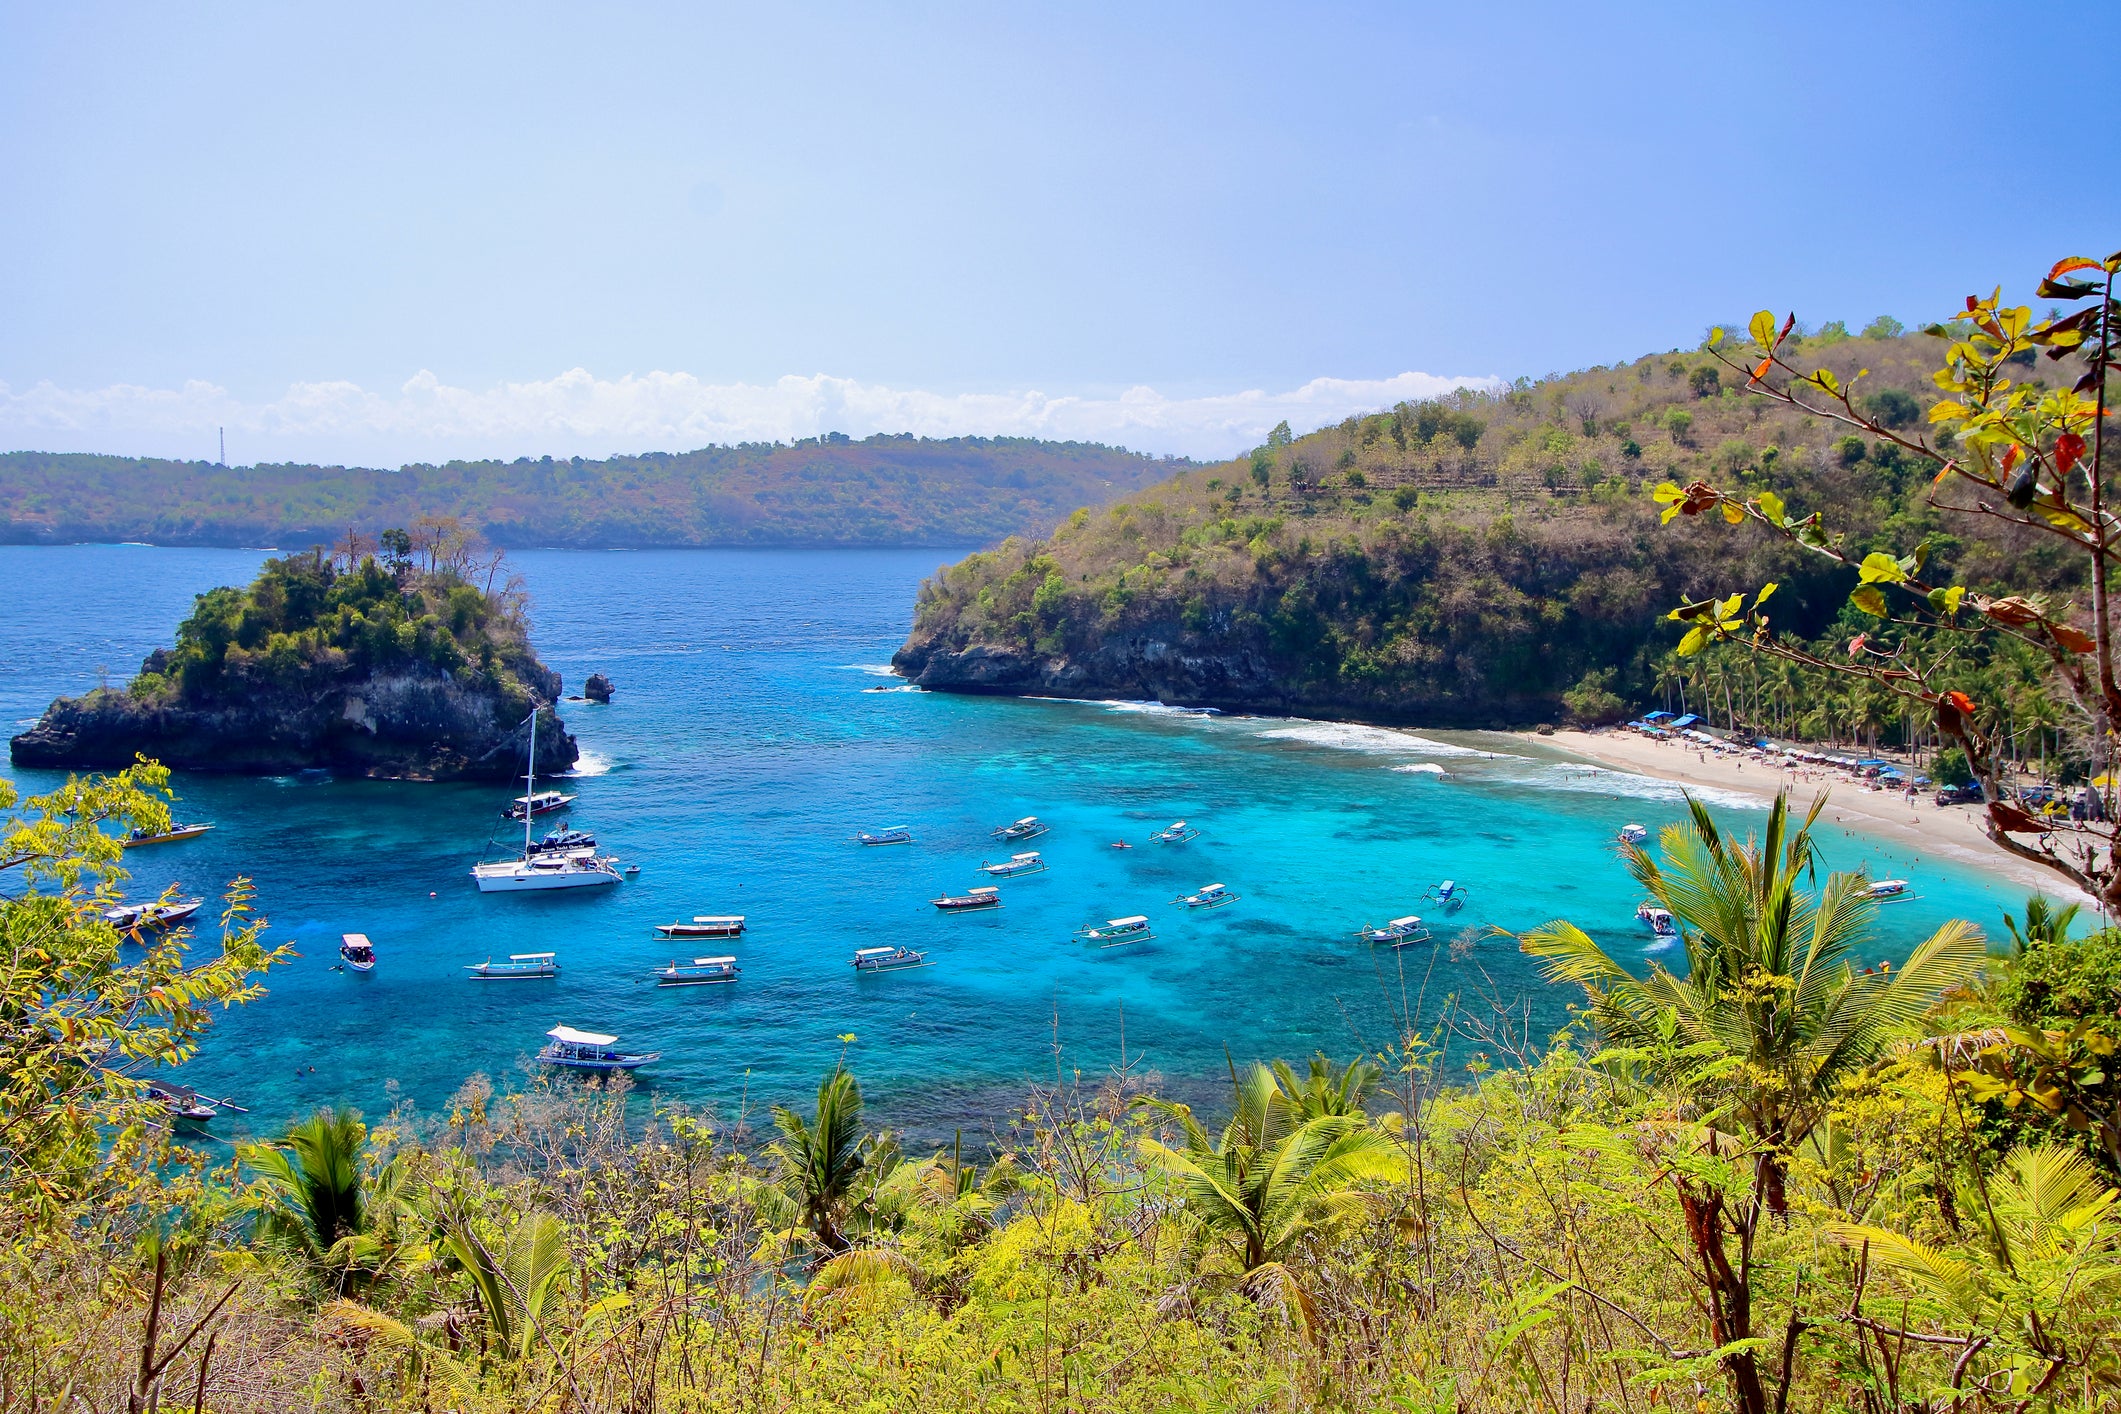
pixel 884 490
pixel 1486 559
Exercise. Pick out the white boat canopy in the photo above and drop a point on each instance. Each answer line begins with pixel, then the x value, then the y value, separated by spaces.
pixel 1128 922
pixel 355 940
pixel 718 918
pixel 1027 854
pixel 874 952
pixel 531 956
pixel 984 889
pixel 569 1036
pixel 712 961
pixel 1211 888
pixel 1402 922
pixel 1028 820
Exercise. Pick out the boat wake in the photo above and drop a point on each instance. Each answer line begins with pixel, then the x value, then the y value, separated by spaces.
pixel 592 763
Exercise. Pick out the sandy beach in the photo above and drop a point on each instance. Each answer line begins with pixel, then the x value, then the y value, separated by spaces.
pixel 1950 831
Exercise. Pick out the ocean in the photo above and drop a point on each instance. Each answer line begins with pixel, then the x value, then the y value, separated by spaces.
pixel 756 728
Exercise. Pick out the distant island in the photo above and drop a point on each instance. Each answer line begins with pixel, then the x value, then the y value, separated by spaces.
pixel 829 490
pixel 1488 559
pixel 400 667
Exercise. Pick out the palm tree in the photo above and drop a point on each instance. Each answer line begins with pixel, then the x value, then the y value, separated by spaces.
pixel 1272 1177
pixel 514 1275
pixel 318 1201
pixel 1323 1092
pixel 819 1161
pixel 2044 923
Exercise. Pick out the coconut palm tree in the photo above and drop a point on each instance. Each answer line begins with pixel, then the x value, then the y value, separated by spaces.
pixel 318 1200
pixel 1271 1178
pixel 2044 923
pixel 819 1161
pixel 1325 1093
pixel 514 1274
pixel 1770 1006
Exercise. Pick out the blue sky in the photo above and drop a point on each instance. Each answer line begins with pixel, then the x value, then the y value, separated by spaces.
pixel 392 232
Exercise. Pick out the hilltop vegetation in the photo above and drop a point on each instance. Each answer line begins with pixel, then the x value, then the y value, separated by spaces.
pixel 884 490
pixel 1486 559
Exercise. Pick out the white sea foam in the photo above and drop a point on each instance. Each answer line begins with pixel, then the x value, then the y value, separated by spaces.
pixel 1159 709
pixel 591 763
pixel 1421 768
pixel 1593 780
pixel 1352 736
pixel 875 670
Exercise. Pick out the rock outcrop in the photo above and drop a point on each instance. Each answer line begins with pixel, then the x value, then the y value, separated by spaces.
pixel 415 724
pixel 598 689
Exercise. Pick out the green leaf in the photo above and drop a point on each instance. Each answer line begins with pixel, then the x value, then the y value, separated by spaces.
pixel 1771 507
pixel 1880 567
pixel 1870 599
pixel 1696 639
pixel 1715 336
pixel 1765 590
pixel 1946 601
pixel 1666 491
pixel 1763 328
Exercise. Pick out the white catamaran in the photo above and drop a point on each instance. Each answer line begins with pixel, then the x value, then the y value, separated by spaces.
pixel 542 869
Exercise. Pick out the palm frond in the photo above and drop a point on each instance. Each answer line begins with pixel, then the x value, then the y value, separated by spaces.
pixel 862 1271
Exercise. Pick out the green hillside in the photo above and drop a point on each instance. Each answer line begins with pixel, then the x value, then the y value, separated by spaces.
pixel 830 490
pixel 1486 559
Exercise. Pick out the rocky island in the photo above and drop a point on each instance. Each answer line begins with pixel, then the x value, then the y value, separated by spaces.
pixel 349 664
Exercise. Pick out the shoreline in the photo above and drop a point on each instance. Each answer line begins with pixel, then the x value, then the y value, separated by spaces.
pixel 1951 832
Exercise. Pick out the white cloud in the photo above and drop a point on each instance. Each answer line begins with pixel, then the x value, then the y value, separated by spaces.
pixel 578 414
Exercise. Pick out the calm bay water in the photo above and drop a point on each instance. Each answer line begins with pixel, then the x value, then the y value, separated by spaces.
pixel 746 746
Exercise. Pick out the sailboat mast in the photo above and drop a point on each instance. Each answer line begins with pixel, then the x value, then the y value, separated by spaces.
pixel 530 781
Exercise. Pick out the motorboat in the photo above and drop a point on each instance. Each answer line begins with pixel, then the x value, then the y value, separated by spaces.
pixel 562 866
pixel 698 973
pixel 520 967
pixel 359 953
pixel 168 836
pixel 562 842
pixel 1634 834
pixel 1114 932
pixel 538 802
pixel 1451 894
pixel 1015 866
pixel 589 1050
pixel 890 834
pixel 1658 920
pixel 1209 896
pixel 887 959
pixel 705 925
pixel 985 896
pixel 181 1103
pixel 1888 891
pixel 1399 933
pixel 1028 828
pixel 1177 832
pixel 153 916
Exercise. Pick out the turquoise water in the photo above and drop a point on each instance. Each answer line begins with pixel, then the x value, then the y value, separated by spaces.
pixel 746 747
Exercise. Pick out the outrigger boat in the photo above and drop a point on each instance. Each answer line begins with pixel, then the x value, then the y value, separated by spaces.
pixel 1658 920
pixel 887 959
pixel 1399 933
pixel 360 954
pixel 702 971
pixel 1028 828
pixel 1178 832
pixel 173 833
pixel 589 1050
pixel 1888 891
pixel 1634 834
pixel 705 925
pixel 890 834
pixel 560 867
pixel 152 917
pixel 1114 932
pixel 1450 894
pixel 539 802
pixel 181 1103
pixel 1015 866
pixel 985 896
pixel 1210 896
pixel 520 967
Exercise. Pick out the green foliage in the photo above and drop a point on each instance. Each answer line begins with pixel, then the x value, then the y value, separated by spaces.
pixel 1592 701
pixel 318 1196
pixel 1950 768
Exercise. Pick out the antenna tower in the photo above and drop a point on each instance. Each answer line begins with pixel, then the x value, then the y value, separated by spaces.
pixel 224 444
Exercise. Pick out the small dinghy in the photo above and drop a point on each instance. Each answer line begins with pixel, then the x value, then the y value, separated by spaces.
pixel 589 1050
pixel 890 834
pixel 700 972
pixel 168 836
pixel 1117 931
pixel 1178 832
pixel 358 952
pixel 1399 933
pixel 888 959
pixel 1210 896
pixel 520 967
pixel 705 925
pixel 1028 828
pixel 985 896
pixel 1015 866
pixel 152 917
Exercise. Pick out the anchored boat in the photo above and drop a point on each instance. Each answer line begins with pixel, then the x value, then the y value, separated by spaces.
pixel 539 802
pixel 1634 834
pixel 562 842
pixel 706 925
pixel 561 867
pixel 1450 894
pixel 700 972
pixel 152 917
pixel 985 896
pixel 173 833
pixel 520 967
pixel 890 834
pixel 1209 896
pixel 1658 920
pixel 887 959
pixel 589 1050
pixel 1015 866
pixel 1028 828
pixel 359 953
pixel 1113 932
pixel 1888 891
pixel 1399 933
pixel 1177 832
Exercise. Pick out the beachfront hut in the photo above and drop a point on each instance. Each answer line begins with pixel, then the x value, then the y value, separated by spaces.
pixel 1680 724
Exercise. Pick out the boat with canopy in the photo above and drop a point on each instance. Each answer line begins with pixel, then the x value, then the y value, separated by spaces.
pixel 705 925
pixel 1015 866
pixel 1177 832
pixel 358 952
pixel 1399 933
pixel 1114 932
pixel 985 896
pixel 698 973
pixel 890 834
pixel 1208 896
pixel 520 967
pixel 1028 828
pixel 589 1050
pixel 888 959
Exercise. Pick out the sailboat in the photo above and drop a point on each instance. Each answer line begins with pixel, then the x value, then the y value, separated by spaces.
pixel 542 869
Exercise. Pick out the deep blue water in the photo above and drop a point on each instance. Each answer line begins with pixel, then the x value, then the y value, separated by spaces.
pixel 745 748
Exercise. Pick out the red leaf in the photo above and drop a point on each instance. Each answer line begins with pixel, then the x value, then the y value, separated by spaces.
pixel 1761 372
pixel 1787 325
pixel 1856 644
pixel 2074 262
pixel 2068 448
pixel 2072 639
pixel 1972 304
pixel 1961 701
pixel 2010 457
